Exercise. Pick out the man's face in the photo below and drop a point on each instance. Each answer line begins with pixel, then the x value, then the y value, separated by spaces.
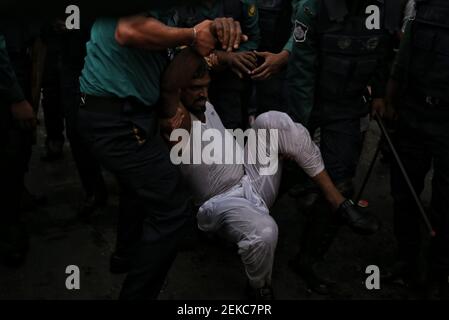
pixel 196 95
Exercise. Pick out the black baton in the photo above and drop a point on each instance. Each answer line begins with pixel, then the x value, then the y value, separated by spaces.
pixel 368 174
pixel 404 173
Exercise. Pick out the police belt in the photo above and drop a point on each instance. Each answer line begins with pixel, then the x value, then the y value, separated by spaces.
pixel 113 105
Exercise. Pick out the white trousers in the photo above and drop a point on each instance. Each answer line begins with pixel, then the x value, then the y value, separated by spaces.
pixel 241 214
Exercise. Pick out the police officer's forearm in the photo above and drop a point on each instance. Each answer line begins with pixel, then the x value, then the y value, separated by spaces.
pixel 151 34
pixel 289 45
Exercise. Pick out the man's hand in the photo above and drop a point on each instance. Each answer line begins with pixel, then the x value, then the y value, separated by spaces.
pixel 226 30
pixel 23 112
pixel 378 106
pixel 242 63
pixel 273 64
pixel 181 120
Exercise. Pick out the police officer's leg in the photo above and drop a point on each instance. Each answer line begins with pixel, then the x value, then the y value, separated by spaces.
pixel 161 201
pixel 268 94
pixel 89 169
pixel 129 147
pixel 440 211
pixel 341 143
pixel 407 224
pixel 53 106
pixel 15 146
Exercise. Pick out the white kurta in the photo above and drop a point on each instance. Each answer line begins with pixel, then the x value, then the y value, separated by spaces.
pixel 235 199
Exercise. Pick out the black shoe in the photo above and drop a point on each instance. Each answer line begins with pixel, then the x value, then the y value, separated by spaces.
pixel 90 205
pixel 359 222
pixel 259 294
pixel 314 283
pixel 119 264
pixel 55 151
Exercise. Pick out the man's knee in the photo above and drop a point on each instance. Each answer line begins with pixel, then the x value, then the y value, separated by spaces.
pixel 263 238
pixel 273 120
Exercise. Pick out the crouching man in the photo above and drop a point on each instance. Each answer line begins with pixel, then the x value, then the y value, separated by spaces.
pixel 234 197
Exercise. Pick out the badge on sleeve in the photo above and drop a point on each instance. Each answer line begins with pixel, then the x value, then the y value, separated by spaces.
pixel 252 10
pixel 300 32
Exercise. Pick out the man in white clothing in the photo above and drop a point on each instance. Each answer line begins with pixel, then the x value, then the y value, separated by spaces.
pixel 234 198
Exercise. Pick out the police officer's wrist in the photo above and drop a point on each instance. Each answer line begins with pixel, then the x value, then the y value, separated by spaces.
pixel 194 36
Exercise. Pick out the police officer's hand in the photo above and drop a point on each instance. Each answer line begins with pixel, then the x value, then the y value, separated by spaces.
pixel 273 63
pixel 242 63
pixel 23 112
pixel 205 41
pixel 229 33
pixel 378 106
pixel 225 30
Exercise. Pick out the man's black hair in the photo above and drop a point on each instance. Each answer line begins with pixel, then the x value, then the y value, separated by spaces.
pixel 202 70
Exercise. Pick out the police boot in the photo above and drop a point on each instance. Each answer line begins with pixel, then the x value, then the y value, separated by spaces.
pixel 320 231
pixel 93 201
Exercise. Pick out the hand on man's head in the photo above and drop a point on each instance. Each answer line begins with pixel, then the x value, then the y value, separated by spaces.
pixel 226 31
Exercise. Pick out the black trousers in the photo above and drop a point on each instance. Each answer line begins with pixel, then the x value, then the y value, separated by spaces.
pixel 154 205
pixel 61 100
pixel 15 152
pixel 52 97
pixel 422 139
pixel 341 143
pixel 269 95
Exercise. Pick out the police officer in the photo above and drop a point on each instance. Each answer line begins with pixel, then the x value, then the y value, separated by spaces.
pixel 120 83
pixel 230 79
pixel 340 48
pixel 17 122
pixel 53 37
pixel 420 84
pixel 275 22
pixel 64 60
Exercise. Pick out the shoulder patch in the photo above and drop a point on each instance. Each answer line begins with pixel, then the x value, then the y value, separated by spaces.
pixel 252 10
pixel 300 31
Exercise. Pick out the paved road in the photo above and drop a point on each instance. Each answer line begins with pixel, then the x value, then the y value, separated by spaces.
pixel 203 269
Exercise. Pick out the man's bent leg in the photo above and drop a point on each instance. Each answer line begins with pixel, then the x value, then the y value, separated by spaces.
pixel 247 224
